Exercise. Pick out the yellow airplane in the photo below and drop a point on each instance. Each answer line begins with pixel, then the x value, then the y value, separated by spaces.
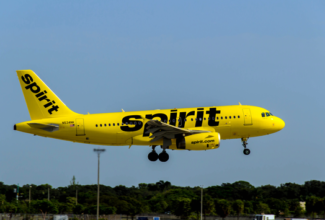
pixel 177 129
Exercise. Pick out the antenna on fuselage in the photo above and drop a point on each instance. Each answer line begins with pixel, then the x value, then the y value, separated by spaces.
pixel 123 110
pixel 239 103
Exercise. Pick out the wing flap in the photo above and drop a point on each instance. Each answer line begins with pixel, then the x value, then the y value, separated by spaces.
pixel 163 130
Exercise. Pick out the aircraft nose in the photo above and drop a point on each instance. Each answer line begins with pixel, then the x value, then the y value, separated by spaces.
pixel 279 124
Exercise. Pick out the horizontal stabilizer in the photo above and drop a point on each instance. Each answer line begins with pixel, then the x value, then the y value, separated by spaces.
pixel 45 127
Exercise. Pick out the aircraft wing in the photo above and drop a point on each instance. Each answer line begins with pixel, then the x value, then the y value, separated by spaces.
pixel 45 127
pixel 161 130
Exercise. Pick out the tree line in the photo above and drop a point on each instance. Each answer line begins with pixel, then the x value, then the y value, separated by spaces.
pixel 238 198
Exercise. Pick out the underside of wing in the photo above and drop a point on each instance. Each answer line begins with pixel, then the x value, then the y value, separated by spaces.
pixel 45 127
pixel 161 130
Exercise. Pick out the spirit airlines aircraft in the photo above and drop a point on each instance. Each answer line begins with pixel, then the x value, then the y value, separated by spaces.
pixel 177 129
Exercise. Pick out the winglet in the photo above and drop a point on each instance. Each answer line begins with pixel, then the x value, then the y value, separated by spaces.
pixel 123 110
pixel 239 103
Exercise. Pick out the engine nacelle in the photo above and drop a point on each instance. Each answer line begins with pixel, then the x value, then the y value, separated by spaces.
pixel 201 141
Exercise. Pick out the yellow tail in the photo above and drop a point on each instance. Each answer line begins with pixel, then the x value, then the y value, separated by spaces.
pixel 41 101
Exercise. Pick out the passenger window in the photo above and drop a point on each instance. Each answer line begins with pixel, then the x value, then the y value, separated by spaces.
pixel 217 118
pixel 96 125
pixel 109 124
pixel 267 114
pixel 225 117
pixel 204 119
pixel 100 125
pixel 221 117
pixel 118 124
pixel 113 124
pixel 208 119
pixel 191 119
pixel 229 117
pixel 234 116
pixel 185 119
pixel 238 116
pixel 200 119
pixel 105 125
pixel 173 120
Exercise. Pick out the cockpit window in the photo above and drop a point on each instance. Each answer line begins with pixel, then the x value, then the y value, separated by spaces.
pixel 267 114
pixel 263 114
pixel 271 113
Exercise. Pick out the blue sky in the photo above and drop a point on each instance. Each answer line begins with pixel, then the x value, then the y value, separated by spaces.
pixel 140 55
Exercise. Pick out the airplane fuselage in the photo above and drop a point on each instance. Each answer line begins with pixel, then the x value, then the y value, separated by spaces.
pixel 199 128
pixel 129 128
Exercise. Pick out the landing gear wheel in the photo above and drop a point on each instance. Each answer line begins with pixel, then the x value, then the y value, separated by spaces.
pixel 247 151
pixel 153 156
pixel 163 156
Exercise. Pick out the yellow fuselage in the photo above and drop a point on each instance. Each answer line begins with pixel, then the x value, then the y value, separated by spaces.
pixel 129 128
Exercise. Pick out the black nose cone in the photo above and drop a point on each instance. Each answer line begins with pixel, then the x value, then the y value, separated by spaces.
pixel 15 127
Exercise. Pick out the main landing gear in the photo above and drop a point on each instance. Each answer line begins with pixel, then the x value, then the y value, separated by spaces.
pixel 246 150
pixel 153 156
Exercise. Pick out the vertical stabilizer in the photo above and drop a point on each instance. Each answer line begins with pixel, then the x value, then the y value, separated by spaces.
pixel 41 101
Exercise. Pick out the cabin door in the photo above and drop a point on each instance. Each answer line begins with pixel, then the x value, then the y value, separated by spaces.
pixel 247 116
pixel 80 127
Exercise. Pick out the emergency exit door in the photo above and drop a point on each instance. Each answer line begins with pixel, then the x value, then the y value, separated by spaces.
pixel 247 116
pixel 80 127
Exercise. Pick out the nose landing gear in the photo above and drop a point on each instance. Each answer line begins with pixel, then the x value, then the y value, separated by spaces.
pixel 246 150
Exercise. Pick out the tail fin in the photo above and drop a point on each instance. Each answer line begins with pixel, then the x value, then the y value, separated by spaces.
pixel 41 101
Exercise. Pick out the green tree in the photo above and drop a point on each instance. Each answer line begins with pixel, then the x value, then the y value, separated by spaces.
pixel 278 205
pixel 238 207
pixel 223 207
pixel 262 208
pixel 243 190
pixel 2 199
pixel 70 203
pixel 298 211
pixel 208 205
pixel 103 210
pixel 181 207
pixel 78 209
pixel 44 206
pixel 22 207
pixel 312 205
pixel 10 207
pixel 2 203
pixel 133 206
pixel 248 207
pixel 73 182
pixel 158 204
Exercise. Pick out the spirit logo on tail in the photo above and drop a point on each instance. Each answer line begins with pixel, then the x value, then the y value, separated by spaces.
pixel 34 88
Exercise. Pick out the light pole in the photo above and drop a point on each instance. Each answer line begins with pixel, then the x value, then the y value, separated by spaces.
pixel 201 201
pixel 98 151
